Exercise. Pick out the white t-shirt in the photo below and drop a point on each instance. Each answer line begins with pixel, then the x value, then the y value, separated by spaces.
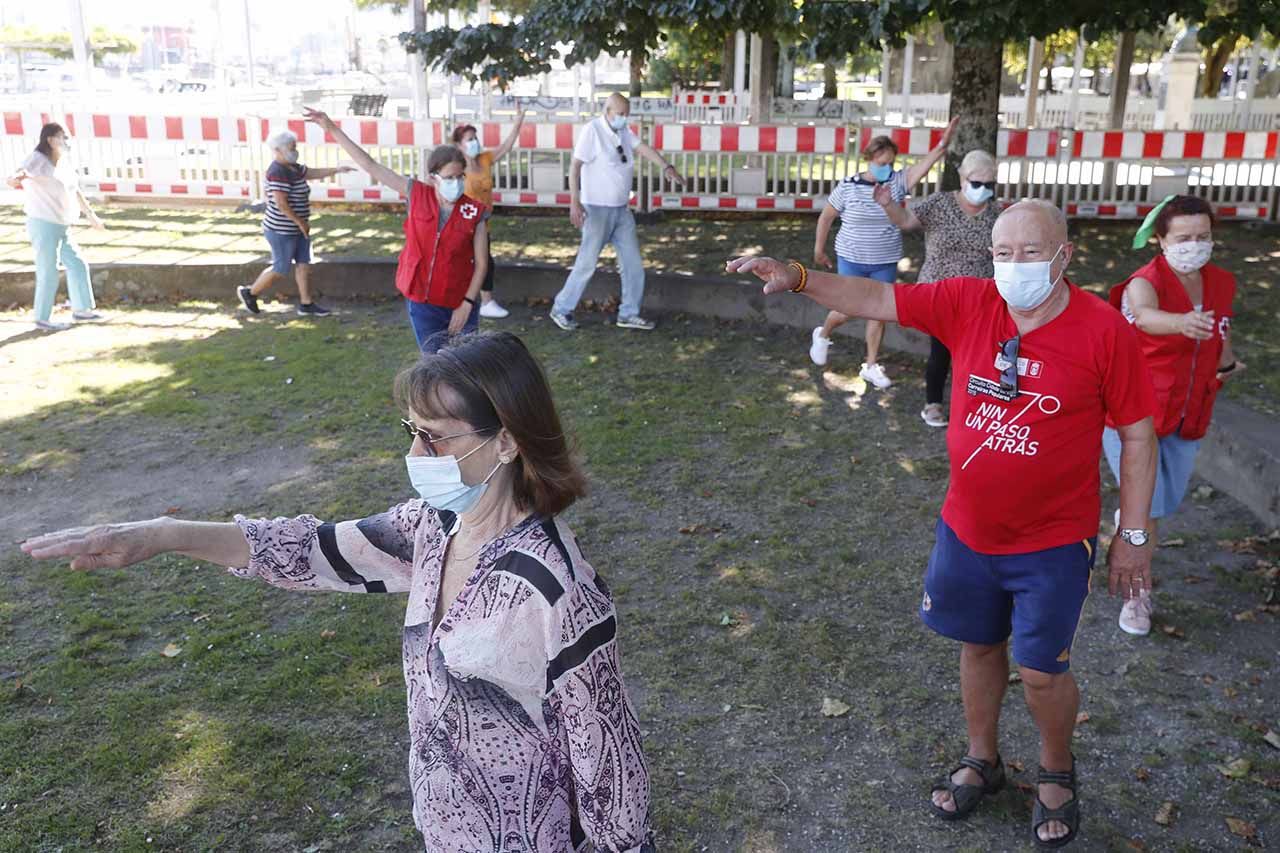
pixel 607 172
pixel 49 191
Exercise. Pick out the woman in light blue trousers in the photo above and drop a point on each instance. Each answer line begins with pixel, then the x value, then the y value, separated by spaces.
pixel 53 203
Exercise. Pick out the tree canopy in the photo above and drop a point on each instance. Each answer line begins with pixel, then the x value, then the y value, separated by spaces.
pixel 102 42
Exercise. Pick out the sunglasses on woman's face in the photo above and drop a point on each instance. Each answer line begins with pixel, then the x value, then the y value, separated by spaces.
pixel 428 440
pixel 979 185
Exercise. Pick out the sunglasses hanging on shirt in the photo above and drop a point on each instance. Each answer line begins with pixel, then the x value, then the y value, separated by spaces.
pixel 622 155
pixel 1007 363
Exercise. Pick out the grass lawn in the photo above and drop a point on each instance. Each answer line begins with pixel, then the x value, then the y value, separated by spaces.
pixel 764 526
pixel 675 245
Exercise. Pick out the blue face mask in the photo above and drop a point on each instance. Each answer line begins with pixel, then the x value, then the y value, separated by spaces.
pixel 451 189
pixel 617 122
pixel 471 147
pixel 438 481
pixel 881 172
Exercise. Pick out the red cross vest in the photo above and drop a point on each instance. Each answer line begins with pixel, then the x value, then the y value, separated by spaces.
pixel 1184 371
pixel 436 266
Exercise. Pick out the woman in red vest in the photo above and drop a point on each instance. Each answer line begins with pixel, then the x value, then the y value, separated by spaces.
pixel 1181 306
pixel 446 242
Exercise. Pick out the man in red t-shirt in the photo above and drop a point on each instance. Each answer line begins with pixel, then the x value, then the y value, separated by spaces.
pixel 1042 364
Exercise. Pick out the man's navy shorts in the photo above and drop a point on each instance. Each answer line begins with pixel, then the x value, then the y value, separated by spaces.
pixel 985 598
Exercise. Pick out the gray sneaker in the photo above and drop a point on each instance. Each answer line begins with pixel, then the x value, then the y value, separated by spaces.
pixel 50 326
pixel 564 321
pixel 636 322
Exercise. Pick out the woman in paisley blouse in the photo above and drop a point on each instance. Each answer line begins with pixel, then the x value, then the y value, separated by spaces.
pixel 522 737
pixel 957 244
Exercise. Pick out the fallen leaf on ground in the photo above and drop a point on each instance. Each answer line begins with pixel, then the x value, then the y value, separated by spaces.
pixel 1142 774
pixel 810 502
pixel 328 634
pixel 1173 543
pixel 1202 493
pixel 726 619
pixel 1246 616
pixel 1236 768
pixel 1242 828
pixel 1166 814
pixel 201 617
pixel 1014 677
pixel 1193 579
pixel 1137 844
pixel 173 510
pixel 1230 692
pixel 691 529
pixel 1272 738
pixel 1208 679
pixel 172 650
pixel 1082 717
pixel 833 707
pixel 1016 766
pixel 1173 631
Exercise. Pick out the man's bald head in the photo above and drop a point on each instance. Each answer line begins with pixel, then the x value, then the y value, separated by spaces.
pixel 618 104
pixel 1034 216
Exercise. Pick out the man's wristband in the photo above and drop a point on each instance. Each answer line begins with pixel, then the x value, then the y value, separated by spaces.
pixel 469 299
pixel 1230 367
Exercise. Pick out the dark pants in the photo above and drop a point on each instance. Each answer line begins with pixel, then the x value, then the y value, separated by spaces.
pixel 431 324
pixel 936 370
pixel 487 287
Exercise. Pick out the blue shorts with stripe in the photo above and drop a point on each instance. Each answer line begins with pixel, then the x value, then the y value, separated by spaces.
pixel 1035 597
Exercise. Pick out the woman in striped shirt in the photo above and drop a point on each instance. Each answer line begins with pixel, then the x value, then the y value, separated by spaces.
pixel 287 224
pixel 868 243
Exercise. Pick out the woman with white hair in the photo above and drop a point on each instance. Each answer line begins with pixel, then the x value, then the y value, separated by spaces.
pixel 957 244
pixel 287 224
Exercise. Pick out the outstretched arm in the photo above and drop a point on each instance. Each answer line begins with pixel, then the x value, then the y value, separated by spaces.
pixel 648 153
pixel 512 138
pixel 327 172
pixel 374 554
pixel 916 173
pixel 364 160
pixel 851 295
pixel 897 212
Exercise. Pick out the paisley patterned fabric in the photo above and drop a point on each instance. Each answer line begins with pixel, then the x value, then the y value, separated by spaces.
pixel 521 734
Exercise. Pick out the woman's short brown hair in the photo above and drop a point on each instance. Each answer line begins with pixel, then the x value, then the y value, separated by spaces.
pixel 1183 205
pixel 495 383
pixel 878 145
pixel 443 155
pixel 460 132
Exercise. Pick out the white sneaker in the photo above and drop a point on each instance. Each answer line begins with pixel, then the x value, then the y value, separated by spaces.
pixel 818 349
pixel 934 415
pixel 1135 616
pixel 874 374
pixel 493 310
pixel 86 315
pixel 50 326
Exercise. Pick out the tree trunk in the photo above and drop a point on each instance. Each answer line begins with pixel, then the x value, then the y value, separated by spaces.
pixel 1047 65
pixel 830 87
pixel 726 62
pixel 1215 62
pixel 785 87
pixel 1120 78
pixel 975 100
pixel 638 57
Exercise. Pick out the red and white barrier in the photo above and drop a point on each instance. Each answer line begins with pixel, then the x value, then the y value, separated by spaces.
pixel 750 139
pixel 189 189
pixel 706 99
pixel 1094 210
pixel 731 202
pixel 1174 145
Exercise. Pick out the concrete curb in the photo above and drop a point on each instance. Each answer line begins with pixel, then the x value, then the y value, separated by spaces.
pixel 1240 455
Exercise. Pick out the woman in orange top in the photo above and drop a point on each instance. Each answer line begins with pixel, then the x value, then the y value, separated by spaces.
pixel 479 186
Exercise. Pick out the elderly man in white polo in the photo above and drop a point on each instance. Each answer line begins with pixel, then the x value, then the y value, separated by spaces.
pixel 1043 364
pixel 600 190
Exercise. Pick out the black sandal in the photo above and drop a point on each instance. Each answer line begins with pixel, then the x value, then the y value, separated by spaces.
pixel 967 797
pixel 1068 813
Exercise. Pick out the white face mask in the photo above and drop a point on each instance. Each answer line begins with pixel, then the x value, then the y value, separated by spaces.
pixel 1190 256
pixel 451 189
pixel 438 481
pixel 1025 285
pixel 977 195
pixel 471 147
pixel 291 156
